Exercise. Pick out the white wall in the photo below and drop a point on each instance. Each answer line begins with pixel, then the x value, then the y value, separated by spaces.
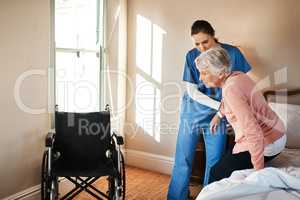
pixel 24 43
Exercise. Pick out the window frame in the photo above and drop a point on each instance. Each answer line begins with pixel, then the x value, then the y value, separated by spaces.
pixel 101 30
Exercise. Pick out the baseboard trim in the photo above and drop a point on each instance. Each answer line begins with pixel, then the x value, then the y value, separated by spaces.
pixel 29 192
pixel 149 161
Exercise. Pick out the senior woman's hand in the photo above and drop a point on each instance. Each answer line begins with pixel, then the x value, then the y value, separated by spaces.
pixel 214 123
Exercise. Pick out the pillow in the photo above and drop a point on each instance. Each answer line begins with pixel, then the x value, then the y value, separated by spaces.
pixel 290 115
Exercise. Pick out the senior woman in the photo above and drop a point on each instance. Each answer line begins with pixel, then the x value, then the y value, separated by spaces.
pixel 259 132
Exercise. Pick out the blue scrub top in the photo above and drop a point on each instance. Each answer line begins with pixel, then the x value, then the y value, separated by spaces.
pixel 193 111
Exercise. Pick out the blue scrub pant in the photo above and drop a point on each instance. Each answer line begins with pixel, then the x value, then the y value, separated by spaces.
pixel 187 140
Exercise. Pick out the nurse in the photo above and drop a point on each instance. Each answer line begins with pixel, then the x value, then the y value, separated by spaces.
pixel 199 105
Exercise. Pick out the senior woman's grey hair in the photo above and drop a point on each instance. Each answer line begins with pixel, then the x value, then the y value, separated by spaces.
pixel 215 59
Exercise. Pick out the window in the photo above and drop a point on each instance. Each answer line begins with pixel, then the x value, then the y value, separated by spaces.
pixel 78 41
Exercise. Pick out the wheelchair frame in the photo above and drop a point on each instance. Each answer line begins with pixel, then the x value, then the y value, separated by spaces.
pixel 50 183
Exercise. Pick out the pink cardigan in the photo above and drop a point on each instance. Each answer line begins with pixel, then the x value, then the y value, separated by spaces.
pixel 254 122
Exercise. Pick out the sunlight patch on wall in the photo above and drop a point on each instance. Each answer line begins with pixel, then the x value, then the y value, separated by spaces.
pixel 149 45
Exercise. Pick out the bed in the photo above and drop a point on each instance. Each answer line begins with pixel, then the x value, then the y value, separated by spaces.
pixel 281 177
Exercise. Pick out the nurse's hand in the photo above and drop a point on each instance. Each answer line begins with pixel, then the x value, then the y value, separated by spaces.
pixel 214 123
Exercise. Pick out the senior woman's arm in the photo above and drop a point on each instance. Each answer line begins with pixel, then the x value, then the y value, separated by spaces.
pixel 201 98
pixel 234 97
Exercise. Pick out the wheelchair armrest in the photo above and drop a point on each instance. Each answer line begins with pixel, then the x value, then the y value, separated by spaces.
pixel 50 139
pixel 119 139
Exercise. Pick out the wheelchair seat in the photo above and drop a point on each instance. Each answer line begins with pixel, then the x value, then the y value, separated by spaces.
pixel 62 169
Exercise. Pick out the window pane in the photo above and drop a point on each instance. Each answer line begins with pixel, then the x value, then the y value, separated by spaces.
pixel 77 82
pixel 76 23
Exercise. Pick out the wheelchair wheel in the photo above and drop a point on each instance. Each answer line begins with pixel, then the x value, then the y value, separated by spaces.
pixel 54 190
pixel 111 187
pixel 123 177
pixel 118 182
pixel 49 185
pixel 45 189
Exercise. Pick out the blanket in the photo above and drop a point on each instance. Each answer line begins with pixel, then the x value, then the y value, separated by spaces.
pixel 268 183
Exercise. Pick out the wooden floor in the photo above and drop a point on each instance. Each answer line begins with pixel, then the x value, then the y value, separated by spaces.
pixel 141 185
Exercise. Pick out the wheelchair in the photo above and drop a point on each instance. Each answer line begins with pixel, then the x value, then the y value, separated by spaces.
pixel 82 149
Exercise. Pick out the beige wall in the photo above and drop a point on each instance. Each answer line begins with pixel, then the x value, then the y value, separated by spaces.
pixel 24 41
pixel 267 31
pixel 116 61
